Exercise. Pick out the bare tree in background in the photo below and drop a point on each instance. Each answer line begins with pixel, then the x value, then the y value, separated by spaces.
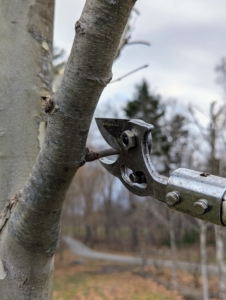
pixel 203 228
pixel 87 184
pixel 107 194
pixel 214 136
pixel 167 220
pixel 220 70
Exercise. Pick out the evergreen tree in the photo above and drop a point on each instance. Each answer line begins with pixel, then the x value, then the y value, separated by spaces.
pixel 148 107
pixel 145 106
pixel 178 136
pixel 169 138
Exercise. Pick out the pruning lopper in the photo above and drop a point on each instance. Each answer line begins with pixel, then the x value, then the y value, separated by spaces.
pixel 197 194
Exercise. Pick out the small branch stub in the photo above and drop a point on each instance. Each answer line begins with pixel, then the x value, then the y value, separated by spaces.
pixel 10 204
pixel 49 104
pixel 94 155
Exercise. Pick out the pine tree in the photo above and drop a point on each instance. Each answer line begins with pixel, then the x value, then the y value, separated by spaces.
pixel 169 138
pixel 148 107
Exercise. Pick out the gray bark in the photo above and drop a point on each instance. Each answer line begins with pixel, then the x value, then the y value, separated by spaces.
pixel 219 233
pixel 203 228
pixel 174 255
pixel 143 250
pixel 30 237
pixel 25 74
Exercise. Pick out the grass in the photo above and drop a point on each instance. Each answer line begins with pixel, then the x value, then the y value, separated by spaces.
pixel 110 287
pixel 90 282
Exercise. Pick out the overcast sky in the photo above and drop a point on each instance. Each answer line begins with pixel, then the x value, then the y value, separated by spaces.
pixel 187 40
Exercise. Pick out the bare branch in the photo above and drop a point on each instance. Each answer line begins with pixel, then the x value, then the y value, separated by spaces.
pixel 94 155
pixel 136 11
pixel 127 74
pixel 201 129
pixel 190 224
pixel 139 42
pixel 153 210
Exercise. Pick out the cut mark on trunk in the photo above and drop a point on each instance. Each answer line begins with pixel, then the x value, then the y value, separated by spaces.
pixel 8 210
pixel 79 28
pixel 45 46
pixel 49 104
pixel 2 271
pixel 101 81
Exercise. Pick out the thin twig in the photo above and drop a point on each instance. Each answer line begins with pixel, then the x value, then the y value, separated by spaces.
pixel 138 42
pixel 201 129
pixel 136 11
pixel 135 70
pixel 94 155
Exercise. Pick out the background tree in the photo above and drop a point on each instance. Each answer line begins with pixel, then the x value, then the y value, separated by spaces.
pixel 149 108
pixel 169 136
pixel 220 70
pixel 213 135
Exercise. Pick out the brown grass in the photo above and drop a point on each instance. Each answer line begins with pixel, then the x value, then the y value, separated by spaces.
pixel 97 281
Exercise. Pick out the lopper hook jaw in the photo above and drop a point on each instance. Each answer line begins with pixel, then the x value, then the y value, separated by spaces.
pixel 133 166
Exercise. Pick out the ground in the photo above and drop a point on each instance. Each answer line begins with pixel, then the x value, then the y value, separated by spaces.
pixel 91 280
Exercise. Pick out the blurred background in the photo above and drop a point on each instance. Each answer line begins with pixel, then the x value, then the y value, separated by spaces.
pixel 170 71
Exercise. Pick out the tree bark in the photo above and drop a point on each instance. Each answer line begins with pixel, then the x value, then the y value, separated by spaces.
pixel 25 75
pixel 203 228
pixel 30 237
pixel 173 247
pixel 219 233
pixel 143 249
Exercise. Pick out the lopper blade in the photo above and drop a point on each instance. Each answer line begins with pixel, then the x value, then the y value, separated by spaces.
pixel 111 130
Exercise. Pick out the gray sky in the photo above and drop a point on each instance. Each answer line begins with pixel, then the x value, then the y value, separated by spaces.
pixel 188 40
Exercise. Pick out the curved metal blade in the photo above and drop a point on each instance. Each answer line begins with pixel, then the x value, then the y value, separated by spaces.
pixel 110 165
pixel 111 130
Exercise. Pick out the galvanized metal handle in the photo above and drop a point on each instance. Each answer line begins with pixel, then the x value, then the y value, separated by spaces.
pixel 197 194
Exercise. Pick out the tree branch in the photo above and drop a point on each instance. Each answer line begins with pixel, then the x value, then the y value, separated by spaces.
pixel 127 74
pixel 136 11
pixel 35 221
pixel 94 155
pixel 139 42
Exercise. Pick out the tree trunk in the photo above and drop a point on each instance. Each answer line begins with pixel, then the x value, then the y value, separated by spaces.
pixel 143 251
pixel 25 75
pixel 169 226
pixel 203 228
pixel 219 232
pixel 174 256
pixel 107 233
pixel 88 235
pixel 134 237
pixel 31 219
